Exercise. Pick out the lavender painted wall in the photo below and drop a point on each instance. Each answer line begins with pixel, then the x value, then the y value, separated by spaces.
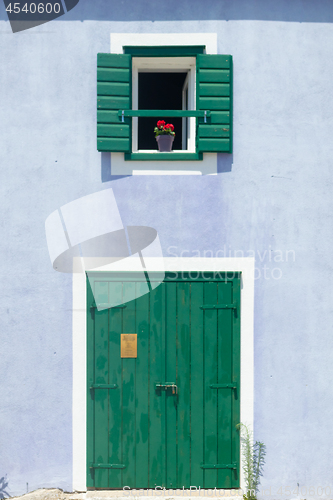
pixel 273 201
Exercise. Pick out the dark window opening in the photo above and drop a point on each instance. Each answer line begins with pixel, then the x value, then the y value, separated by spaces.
pixel 160 91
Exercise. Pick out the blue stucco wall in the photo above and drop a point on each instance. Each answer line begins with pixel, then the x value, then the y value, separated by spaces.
pixel 274 202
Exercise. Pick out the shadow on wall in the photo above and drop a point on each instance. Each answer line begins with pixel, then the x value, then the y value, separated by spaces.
pixel 173 10
pixel 3 486
pixel 106 175
pixel 224 162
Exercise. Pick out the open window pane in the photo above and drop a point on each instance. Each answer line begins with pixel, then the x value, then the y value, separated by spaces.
pixel 160 91
pixel 185 121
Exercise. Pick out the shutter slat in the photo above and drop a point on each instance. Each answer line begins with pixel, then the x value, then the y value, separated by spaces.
pixel 114 102
pixel 215 61
pixel 214 76
pixel 214 89
pixel 214 103
pixel 106 116
pixel 214 145
pixel 113 94
pixel 113 75
pixel 214 93
pixel 113 60
pixel 114 144
pixel 113 88
pixel 214 131
pixel 115 130
pixel 222 117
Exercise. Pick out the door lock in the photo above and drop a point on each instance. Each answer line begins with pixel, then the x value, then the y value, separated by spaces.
pixel 166 386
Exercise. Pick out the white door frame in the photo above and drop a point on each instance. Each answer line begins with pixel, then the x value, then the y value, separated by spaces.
pixel 244 265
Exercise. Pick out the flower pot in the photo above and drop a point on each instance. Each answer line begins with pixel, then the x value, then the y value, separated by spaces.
pixel 165 143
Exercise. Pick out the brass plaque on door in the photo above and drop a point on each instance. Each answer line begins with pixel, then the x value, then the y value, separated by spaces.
pixel 129 345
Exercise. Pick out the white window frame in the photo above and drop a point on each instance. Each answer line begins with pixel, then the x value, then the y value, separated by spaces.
pixel 164 65
pixel 185 121
pixel 119 166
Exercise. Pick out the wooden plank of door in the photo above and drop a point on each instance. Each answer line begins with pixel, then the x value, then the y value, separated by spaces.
pixel 210 396
pixel 115 395
pixel 197 385
pixel 142 384
pixel 128 391
pixel 156 397
pixel 171 375
pixel 224 396
pixel 184 384
pixel 101 397
pixel 90 381
pixel 236 339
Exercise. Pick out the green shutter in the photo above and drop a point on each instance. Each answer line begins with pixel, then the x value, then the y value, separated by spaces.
pixel 113 94
pixel 214 94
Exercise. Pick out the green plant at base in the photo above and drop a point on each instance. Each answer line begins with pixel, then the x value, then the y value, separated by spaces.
pixel 253 461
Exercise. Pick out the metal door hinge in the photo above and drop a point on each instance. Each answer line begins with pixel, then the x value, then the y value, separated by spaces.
pixel 104 386
pixel 232 385
pixel 107 466
pixel 218 466
pixel 107 306
pixel 219 306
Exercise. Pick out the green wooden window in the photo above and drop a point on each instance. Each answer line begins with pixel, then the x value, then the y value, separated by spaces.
pixel 213 111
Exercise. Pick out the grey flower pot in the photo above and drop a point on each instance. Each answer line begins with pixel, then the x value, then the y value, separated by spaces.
pixel 165 143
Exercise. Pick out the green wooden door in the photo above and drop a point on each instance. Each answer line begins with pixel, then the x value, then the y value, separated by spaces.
pixel 142 434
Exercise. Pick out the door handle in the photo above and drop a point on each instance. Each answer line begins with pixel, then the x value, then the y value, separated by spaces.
pixel 166 386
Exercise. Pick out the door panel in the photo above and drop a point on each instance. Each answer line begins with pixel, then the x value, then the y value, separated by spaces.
pixel 128 384
pixel 224 396
pixel 115 395
pixel 142 394
pixel 188 334
pixel 156 408
pixel 183 382
pixel 101 394
pixel 197 382
pixel 171 376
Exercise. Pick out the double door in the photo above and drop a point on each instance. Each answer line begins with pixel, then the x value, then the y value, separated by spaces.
pixel 167 416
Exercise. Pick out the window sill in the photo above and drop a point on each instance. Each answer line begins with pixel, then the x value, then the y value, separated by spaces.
pixel 172 156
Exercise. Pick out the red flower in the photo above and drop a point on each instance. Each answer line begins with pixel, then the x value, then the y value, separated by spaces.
pixel 160 123
pixel 169 126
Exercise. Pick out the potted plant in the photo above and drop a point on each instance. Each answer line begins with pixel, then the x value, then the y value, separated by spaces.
pixel 164 134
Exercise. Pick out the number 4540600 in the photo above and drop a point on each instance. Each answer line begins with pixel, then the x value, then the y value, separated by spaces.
pixel 32 8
